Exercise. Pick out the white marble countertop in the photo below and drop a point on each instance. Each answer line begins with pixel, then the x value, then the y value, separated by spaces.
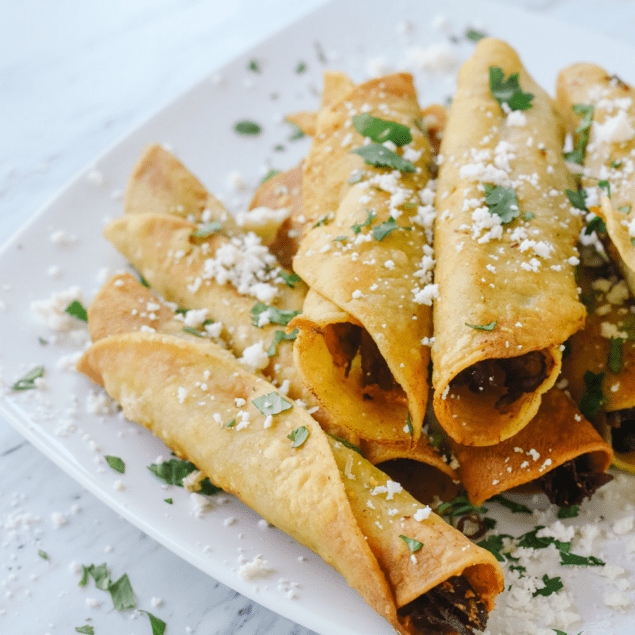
pixel 75 76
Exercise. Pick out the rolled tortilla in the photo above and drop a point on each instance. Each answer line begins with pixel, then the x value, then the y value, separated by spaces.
pixel 558 451
pixel 359 346
pixel 157 380
pixel 507 294
pixel 608 154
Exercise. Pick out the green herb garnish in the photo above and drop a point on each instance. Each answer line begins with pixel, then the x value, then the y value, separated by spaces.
pixel 347 444
pixel 298 436
pixel 28 381
pixel 158 626
pixel 271 404
pixel 552 585
pixel 173 472
pixel 43 555
pixel 614 361
pixel 508 91
pixel 296 132
pixel 276 316
pixel 230 424
pixel 356 176
pixel 381 231
pixel 253 66
pixel 122 595
pixel 247 127
pixel 280 336
pixel 370 217
pixel 300 68
pixel 583 130
pixel 483 327
pixel 116 463
pixel 569 512
pixel 625 209
pixel 290 278
pixel 269 175
pixel 320 53
pixel 76 309
pixel 515 508
pixel 593 399
pixel 567 558
pixel 380 156
pixel 87 629
pixel 474 35
pixel 596 224
pixel 169 501
pixel 409 425
pixel 208 229
pixel 321 221
pixel 413 545
pixel 578 199
pixel 192 331
pixel 381 130
pixel 502 201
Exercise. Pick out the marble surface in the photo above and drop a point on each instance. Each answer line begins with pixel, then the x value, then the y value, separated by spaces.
pixel 75 76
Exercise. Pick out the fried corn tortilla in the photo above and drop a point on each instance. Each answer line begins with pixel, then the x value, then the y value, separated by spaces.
pixel 158 380
pixel 507 294
pixel 366 261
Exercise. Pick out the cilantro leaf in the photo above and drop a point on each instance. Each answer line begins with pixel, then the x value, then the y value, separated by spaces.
pixel 593 399
pixel 494 544
pixel 583 130
pixel 276 316
pixel 625 209
pixel 246 127
pixel 411 430
pixel 122 595
pixel 278 337
pixel 515 508
pixel 380 156
pixel 380 130
pixel 253 66
pixel 43 554
pixel 596 224
pixel 356 176
pixel 508 91
pixel 173 472
pixel 552 585
pixel 483 327
pixel 99 573
pixel 300 68
pixel 158 626
pixel 474 35
pixel 584 561
pixel 502 201
pixel 569 512
pixel 606 186
pixel 298 436
pixel 413 545
pixel 346 444
pixel 290 278
pixel 271 404
pixel 76 309
pixel 381 231
pixel 370 217
pixel 116 463
pixel 614 361
pixel 578 199
pixel 28 381
pixel 208 229
pixel 192 331
pixel 87 629
pixel 296 132
pixel 169 501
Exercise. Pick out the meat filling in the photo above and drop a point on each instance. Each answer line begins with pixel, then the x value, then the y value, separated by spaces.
pixel 518 375
pixel 451 607
pixel 572 482
pixel 622 424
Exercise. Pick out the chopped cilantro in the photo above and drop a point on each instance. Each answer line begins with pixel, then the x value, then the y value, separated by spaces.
pixel 276 316
pixel 508 91
pixel 277 148
pixel 42 341
pixel 569 512
pixel 625 209
pixel 169 501
pixel 381 231
pixel 280 336
pixel 474 35
pixel 583 131
pixel 380 156
pixel 578 199
pixel 296 132
pixel 596 224
pixel 515 508
pixel 192 331
pixel 116 463
pixel 606 186
pixel 76 309
pixel 271 404
pixel 552 585
pixel 43 555
pixel 174 471
pixel 593 399
pixel 529 216
pixel 320 53
pixel 300 68
pixel 87 629
pixel 616 164
pixel 459 506
pixel 356 176
pixel 614 361
pixel 28 381
pixel 409 425
pixel 247 127
pixel 413 545
pixel 203 231
pixel 502 201
pixel 122 595
pixel 230 424
pixel 483 327
pixel 583 561
pixel 321 221
pixel 158 626
pixel 298 436
pixel 370 217
pixel 253 66
pixel 290 278
pixel 340 239
pixel 346 444
pixel 519 568
pixel 269 175
pixel 494 544
pixel 143 281
pixel 98 573
pixel 381 130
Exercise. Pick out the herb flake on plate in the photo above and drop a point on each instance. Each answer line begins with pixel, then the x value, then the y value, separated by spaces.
pixel 413 545
pixel 502 202
pixel 158 625
pixel 298 436
pixel 483 327
pixel 28 381
pixel 247 127
pixel 271 404
pixel 77 309
pixel 116 463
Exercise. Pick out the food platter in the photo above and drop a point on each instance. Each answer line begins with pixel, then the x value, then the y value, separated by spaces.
pixel 62 247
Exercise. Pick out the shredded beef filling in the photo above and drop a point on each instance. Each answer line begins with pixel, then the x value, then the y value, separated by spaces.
pixel 451 607
pixel 622 424
pixel 518 375
pixel 572 482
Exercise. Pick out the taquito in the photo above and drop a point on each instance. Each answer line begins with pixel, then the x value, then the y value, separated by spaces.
pixel 366 259
pixel 505 238
pixel 410 566
pixel 558 452
pixel 599 110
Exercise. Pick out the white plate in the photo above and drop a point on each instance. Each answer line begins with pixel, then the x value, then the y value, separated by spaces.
pixel 198 126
